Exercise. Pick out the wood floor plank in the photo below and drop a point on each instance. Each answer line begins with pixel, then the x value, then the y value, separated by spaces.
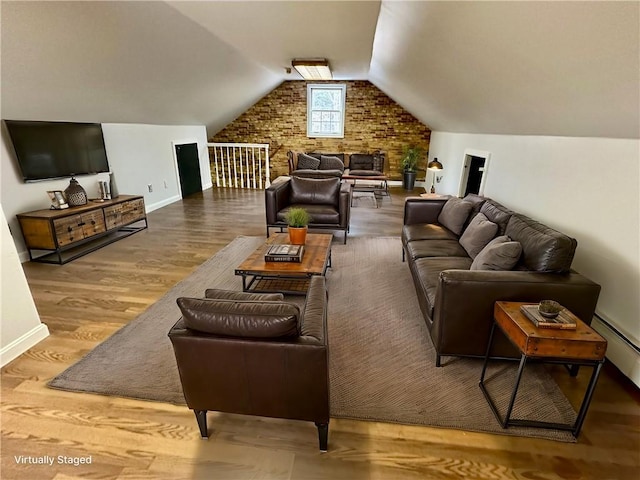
pixel 89 299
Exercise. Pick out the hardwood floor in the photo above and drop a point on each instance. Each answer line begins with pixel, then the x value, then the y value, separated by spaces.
pixel 88 299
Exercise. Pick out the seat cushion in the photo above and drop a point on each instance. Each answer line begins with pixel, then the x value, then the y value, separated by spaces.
pixel 320 214
pixel 454 214
pixel 366 173
pixel 543 249
pixel 428 270
pixel 426 231
pixel 501 253
pixel 476 236
pixel 315 191
pixel 237 318
pixel 435 248
pixel 316 173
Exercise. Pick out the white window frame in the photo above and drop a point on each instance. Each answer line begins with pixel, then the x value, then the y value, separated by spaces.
pixel 324 86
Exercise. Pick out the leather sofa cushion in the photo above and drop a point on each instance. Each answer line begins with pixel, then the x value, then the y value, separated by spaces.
pixel 429 269
pixel 234 318
pixel 497 214
pixel 426 231
pixel 315 191
pixel 435 248
pixel 307 162
pixel 331 163
pixel 320 214
pixel 318 155
pixel 500 254
pixel 361 161
pixel 365 173
pixel 543 249
pixel 476 201
pixel 316 173
pixel 454 214
pixel 476 236
pixel 235 295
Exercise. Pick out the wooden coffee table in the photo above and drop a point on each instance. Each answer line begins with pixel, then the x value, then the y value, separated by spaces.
pixel 286 277
pixel 582 346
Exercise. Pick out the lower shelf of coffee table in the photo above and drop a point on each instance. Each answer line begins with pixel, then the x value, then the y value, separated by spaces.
pixel 290 286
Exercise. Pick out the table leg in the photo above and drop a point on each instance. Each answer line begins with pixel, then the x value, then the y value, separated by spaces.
pixel 587 398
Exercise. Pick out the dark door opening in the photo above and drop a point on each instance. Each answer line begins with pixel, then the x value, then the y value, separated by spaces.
pixel 475 167
pixel 189 168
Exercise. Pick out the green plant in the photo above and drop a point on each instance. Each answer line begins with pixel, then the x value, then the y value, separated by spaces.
pixel 297 217
pixel 410 158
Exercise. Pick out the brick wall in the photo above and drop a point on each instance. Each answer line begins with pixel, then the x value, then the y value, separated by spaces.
pixel 373 121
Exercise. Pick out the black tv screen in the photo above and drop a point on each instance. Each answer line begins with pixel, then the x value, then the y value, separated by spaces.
pixel 46 150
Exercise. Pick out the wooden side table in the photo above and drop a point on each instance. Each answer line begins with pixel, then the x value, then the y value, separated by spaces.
pixel 582 346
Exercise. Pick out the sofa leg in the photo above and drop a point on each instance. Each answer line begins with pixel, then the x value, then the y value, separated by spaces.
pixel 403 255
pixel 201 417
pixel 345 237
pixel 323 435
pixel 267 232
pixel 438 364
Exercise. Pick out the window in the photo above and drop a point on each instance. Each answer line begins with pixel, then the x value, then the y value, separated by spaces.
pixel 325 110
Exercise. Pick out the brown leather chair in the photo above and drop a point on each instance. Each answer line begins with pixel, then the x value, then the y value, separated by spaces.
pixel 328 201
pixel 255 354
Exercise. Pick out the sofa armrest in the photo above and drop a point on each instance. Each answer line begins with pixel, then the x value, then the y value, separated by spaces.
pixel 465 300
pixel 422 210
pixel 314 314
pixel 344 206
pixel 292 160
pixel 276 198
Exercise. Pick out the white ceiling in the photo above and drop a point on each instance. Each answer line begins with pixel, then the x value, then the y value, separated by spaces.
pixel 529 68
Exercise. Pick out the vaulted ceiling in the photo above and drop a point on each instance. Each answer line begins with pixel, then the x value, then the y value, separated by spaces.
pixel 528 68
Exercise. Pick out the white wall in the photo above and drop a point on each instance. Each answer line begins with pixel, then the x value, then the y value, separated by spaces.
pixel 138 155
pixel 587 188
pixel 20 326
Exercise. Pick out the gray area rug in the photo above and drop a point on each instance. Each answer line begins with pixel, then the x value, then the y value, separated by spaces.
pixel 381 357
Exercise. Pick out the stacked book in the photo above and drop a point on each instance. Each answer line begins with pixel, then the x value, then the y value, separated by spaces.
pixel 284 253
pixel 564 321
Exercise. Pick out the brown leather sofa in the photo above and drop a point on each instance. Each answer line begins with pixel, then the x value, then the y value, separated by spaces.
pixel 457 302
pixel 328 201
pixel 355 164
pixel 254 354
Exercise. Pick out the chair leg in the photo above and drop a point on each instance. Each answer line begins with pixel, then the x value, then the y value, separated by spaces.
pixel 323 434
pixel 201 417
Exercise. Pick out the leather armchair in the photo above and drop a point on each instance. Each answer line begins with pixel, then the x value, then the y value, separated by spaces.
pixel 328 201
pixel 255 355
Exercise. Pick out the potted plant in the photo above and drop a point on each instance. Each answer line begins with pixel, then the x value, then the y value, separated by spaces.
pixel 410 158
pixel 297 219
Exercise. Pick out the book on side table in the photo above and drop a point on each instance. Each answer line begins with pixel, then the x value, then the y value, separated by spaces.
pixel 564 321
pixel 284 253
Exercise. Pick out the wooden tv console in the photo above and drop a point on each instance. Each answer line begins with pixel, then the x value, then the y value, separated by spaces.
pixel 65 235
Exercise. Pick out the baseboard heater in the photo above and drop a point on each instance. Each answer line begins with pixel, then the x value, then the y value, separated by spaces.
pixel 620 350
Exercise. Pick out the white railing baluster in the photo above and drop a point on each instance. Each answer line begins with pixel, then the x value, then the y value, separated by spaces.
pixel 234 168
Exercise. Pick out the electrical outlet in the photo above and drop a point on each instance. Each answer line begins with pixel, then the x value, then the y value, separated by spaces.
pixel 150 187
pixel 165 184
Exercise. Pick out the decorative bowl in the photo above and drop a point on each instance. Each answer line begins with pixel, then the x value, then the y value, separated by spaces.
pixel 549 308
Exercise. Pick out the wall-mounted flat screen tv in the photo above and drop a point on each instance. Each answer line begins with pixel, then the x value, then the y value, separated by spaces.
pixel 47 150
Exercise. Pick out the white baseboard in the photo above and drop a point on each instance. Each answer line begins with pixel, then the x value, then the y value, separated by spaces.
pixel 162 203
pixel 22 344
pixel 619 352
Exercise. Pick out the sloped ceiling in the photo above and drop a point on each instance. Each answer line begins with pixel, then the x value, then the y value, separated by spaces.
pixel 529 68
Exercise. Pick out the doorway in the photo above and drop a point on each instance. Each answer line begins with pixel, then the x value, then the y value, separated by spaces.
pixel 474 173
pixel 188 168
